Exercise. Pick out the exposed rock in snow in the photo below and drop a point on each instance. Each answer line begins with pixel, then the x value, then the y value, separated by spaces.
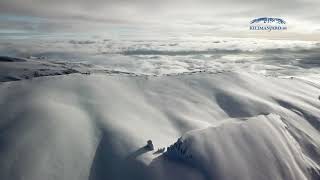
pixel 150 145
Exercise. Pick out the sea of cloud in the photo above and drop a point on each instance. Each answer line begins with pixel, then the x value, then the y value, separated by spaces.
pixel 173 55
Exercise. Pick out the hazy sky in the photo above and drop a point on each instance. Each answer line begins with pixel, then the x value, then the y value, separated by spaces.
pixel 180 17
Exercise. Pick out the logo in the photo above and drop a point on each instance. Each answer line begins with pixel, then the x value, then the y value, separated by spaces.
pixel 268 24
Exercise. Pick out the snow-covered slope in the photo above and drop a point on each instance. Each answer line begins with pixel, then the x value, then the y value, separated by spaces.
pixel 256 148
pixel 14 69
pixel 232 125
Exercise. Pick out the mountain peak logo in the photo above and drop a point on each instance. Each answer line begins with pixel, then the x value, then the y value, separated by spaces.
pixel 268 20
pixel 268 24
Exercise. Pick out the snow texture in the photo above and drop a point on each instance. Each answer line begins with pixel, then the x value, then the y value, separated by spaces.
pixel 232 125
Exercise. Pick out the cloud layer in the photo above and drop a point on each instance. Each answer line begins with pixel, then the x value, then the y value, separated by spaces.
pixel 180 16
pixel 159 57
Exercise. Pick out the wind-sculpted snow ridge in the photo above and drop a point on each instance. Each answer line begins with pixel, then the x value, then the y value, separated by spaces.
pixel 260 147
pixel 233 125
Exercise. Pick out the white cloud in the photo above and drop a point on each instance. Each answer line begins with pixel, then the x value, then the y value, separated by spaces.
pixel 197 17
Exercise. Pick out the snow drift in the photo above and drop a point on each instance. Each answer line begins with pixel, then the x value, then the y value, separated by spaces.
pixel 231 126
pixel 256 148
